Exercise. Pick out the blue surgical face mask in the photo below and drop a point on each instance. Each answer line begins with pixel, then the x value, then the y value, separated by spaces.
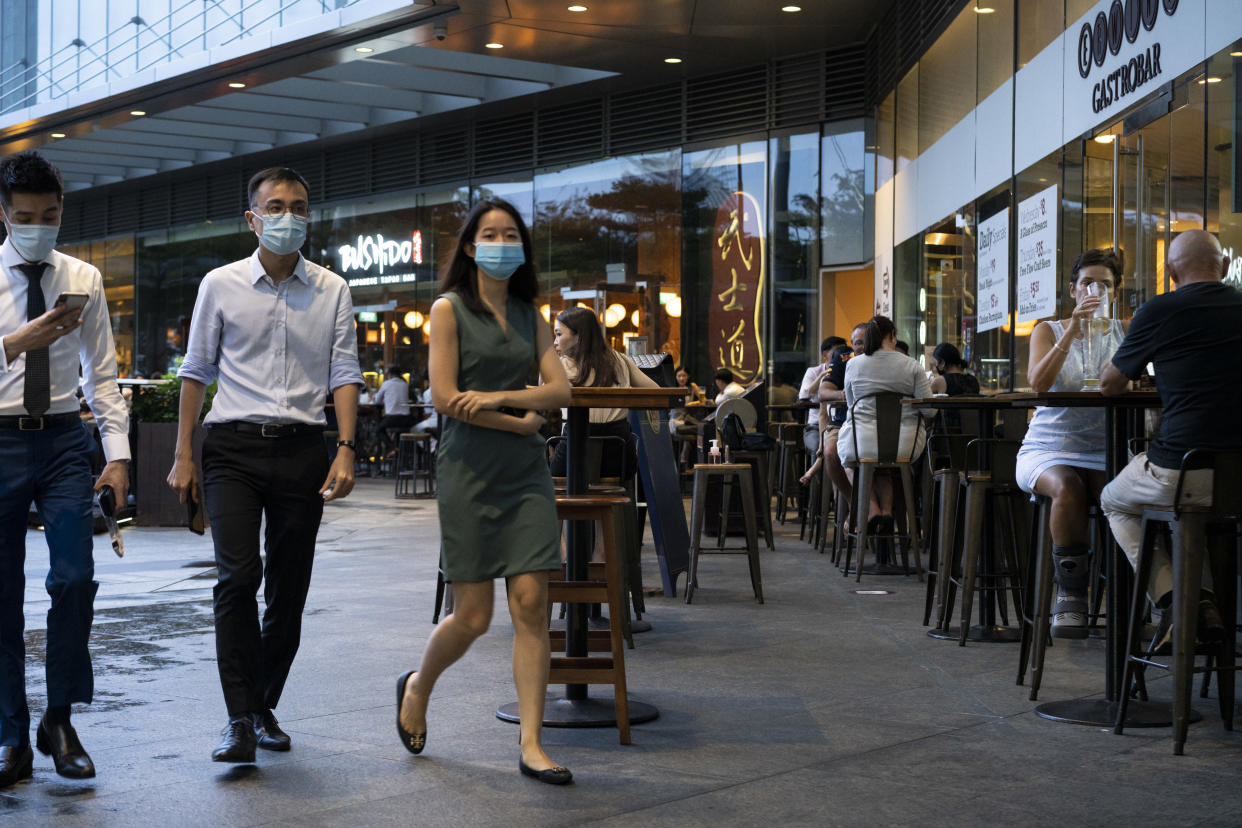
pixel 283 234
pixel 499 259
pixel 33 242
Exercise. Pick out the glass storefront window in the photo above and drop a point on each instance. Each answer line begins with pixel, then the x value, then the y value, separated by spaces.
pixel 1032 181
pixel 987 351
pixel 947 79
pixel 795 216
pixel 115 259
pixel 946 289
pixel 995 43
pixel 1040 22
pixel 519 192
pixel 885 140
pixel 907 137
pixel 724 260
pixel 848 223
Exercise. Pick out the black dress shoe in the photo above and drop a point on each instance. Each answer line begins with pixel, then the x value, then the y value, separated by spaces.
pixel 60 740
pixel 414 742
pixel 239 741
pixel 16 763
pixel 267 732
pixel 555 775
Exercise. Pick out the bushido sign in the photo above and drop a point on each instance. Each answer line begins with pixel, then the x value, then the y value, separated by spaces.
pixel 738 263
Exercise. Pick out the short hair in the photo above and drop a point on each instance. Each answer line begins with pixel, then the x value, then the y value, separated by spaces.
pixel 394 371
pixel 725 375
pixel 274 174
pixel 29 172
pixel 830 343
pixel 879 329
pixel 1106 256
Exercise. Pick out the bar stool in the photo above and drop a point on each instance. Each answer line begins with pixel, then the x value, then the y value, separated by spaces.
pixel 790 455
pixel 414 463
pixel 603 586
pixel 727 472
pixel 946 461
pixel 763 499
pixel 1194 530
pixel 888 415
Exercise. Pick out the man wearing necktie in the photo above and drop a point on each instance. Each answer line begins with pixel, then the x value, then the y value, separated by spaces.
pixel 45 457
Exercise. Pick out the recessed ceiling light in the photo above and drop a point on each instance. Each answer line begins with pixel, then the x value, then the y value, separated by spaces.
pixel 1106 138
pixel 984 9
pixel 1235 54
pixel 363 50
pixel 577 8
pixel 58 135
pixel 137 113
pixel 237 85
pixel 791 9
pixel 672 60
pixel 494 45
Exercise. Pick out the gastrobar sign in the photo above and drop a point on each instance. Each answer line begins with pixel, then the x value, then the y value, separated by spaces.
pixel 1122 50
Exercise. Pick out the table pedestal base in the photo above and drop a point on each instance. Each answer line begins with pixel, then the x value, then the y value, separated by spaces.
pixel 582 713
pixel 994 633
pixel 1103 713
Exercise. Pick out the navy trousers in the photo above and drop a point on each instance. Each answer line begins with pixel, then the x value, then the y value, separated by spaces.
pixel 51 469
pixel 246 478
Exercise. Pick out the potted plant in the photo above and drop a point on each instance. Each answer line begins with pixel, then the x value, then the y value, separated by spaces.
pixel 154 409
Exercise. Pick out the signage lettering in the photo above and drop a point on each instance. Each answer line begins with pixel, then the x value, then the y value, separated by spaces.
pixel 1127 78
pixel 372 251
pixel 1097 39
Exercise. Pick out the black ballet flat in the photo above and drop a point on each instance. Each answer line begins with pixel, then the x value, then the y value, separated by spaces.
pixel 555 775
pixel 414 742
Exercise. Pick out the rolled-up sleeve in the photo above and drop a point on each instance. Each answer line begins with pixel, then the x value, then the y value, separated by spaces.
pixel 202 353
pixel 344 368
pixel 98 359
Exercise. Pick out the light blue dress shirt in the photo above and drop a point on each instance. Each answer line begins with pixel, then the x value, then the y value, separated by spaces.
pixel 276 350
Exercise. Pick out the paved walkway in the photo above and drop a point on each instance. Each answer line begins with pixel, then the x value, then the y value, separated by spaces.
pixel 821 707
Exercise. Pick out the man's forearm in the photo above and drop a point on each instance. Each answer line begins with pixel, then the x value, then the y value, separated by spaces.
pixel 345 399
pixel 188 409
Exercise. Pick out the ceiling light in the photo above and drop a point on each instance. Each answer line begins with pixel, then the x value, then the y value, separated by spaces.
pixel 137 113
pixel 984 9
pixel 58 135
pixel 1106 138
pixel 672 60
pixel 791 9
pixel 237 85
pixel 494 45
pixel 1235 54
pixel 577 8
pixel 363 50
pixel 1211 80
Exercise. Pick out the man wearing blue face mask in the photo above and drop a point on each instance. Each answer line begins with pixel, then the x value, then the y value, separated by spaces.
pixel 45 457
pixel 276 332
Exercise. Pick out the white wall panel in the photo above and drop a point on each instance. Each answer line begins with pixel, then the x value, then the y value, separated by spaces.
pixel 905 204
pixel 1224 25
pixel 994 138
pixel 946 173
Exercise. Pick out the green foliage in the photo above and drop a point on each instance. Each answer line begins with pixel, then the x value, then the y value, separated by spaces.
pixel 160 403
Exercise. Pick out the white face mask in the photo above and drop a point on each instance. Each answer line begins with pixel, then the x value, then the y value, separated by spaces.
pixel 283 234
pixel 33 242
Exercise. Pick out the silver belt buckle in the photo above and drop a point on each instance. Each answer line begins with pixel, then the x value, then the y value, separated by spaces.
pixel 275 430
pixel 29 423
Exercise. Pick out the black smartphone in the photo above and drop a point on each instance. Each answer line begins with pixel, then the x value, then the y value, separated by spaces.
pixel 77 301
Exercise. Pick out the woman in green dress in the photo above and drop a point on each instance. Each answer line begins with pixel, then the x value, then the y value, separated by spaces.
pixel 496 504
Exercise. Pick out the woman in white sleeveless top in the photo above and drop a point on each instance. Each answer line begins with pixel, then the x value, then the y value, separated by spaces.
pixel 1062 455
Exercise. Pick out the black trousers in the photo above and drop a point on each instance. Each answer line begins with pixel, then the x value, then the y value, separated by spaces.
pixel 247 477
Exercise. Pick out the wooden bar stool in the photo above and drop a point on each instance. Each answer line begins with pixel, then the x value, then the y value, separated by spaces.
pixel 603 586
pixel 727 472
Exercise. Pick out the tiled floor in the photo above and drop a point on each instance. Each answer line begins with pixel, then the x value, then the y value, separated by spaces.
pixel 820 707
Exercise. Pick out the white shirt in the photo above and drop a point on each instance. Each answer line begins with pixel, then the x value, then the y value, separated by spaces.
pixel 90 347
pixel 276 350
pixel 731 391
pixel 395 395
pixel 804 393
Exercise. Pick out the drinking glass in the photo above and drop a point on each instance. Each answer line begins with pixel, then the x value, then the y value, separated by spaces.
pixel 1094 339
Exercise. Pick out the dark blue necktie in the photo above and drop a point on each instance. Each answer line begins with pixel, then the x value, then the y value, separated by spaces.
pixel 37 395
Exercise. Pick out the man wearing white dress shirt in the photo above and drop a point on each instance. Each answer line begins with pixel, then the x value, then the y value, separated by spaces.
pixel 45 457
pixel 276 333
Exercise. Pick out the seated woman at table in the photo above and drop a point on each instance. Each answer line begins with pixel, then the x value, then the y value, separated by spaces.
pixel 951 377
pixel 589 362
pixel 1062 455
pixel 881 367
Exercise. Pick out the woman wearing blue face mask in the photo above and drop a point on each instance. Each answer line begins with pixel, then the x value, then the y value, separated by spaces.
pixel 496 504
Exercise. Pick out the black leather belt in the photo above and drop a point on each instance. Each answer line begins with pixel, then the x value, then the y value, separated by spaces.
pixel 269 429
pixel 47 421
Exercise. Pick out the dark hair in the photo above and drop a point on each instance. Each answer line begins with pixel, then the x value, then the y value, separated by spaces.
pixel 394 371
pixel 830 343
pixel 725 375
pixel 29 172
pixel 879 329
pixel 843 348
pixel 1106 256
pixel 459 272
pixel 595 360
pixel 904 347
pixel 274 174
pixel 948 353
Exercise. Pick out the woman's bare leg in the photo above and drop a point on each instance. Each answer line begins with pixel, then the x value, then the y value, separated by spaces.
pixel 471 616
pixel 528 607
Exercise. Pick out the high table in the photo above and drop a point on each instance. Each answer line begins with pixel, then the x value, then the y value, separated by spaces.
pixel 577 708
pixel 985 407
pixel 1123 420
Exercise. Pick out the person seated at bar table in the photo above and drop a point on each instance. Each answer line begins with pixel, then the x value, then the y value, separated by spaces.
pixel 1193 336
pixel 830 416
pixel 1062 455
pixel 727 386
pixel 881 367
pixel 951 377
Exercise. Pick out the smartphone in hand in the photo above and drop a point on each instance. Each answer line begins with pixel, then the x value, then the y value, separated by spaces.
pixel 77 301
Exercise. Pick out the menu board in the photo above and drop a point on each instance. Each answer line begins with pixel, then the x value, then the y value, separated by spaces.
pixel 992 289
pixel 1037 255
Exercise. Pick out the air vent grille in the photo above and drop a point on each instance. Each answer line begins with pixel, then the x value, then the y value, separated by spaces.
pixel 394 162
pixel 189 203
pixel 504 144
pixel 445 156
pixel 646 119
pixel 797 84
pixel 845 84
pixel 570 133
pixel 727 103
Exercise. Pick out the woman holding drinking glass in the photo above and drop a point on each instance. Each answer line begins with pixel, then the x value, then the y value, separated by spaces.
pixel 496 503
pixel 1062 455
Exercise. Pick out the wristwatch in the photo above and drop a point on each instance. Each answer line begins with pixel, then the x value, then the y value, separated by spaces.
pixel 349 444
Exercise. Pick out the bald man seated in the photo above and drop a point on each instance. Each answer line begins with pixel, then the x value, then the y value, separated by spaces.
pixel 1193 337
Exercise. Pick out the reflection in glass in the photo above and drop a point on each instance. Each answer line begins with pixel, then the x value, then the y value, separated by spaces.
pixel 795 215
